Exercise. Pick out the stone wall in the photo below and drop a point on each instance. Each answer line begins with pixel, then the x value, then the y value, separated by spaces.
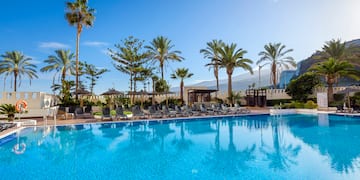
pixel 35 100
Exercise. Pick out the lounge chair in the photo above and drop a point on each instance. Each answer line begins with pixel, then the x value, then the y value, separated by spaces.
pixel 62 114
pixel 155 113
pixel 205 111
pixel 241 110
pixel 180 112
pixel 120 113
pixel 167 112
pixel 79 113
pixel 195 111
pixel 106 114
pixel 137 113
pixel 88 109
pixel 340 109
pixel 4 126
pixel 225 110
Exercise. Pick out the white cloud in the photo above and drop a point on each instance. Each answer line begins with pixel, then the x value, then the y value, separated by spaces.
pixel 53 45
pixel 95 43
pixel 35 62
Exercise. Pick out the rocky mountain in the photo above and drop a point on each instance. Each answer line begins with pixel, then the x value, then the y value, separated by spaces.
pixel 305 64
pixel 242 81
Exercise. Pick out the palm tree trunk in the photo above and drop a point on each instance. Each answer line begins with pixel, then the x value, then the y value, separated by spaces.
pixel 330 92
pixel 230 87
pixel 15 81
pixel 273 71
pixel 77 59
pixel 216 74
pixel 182 91
pixel 162 71
pixel 131 86
pixel 153 91
pixel 133 96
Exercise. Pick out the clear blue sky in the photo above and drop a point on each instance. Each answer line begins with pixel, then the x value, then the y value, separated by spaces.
pixel 38 27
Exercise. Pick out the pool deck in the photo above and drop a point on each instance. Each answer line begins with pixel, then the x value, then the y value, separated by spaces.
pixel 51 122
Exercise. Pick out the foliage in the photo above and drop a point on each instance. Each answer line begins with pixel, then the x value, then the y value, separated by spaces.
pixel 301 87
pixel 235 97
pixel 181 73
pixel 310 105
pixel 277 102
pixel 161 86
pixel 299 105
pixel 61 63
pixel 292 105
pixel 65 96
pixel 17 65
pixel 231 58
pixel 160 50
pixel 171 101
pixel 212 52
pixel 130 58
pixel 9 110
pixel 122 100
pixel 218 100
pixel 332 70
pixel 93 74
pixel 78 14
pixel 275 56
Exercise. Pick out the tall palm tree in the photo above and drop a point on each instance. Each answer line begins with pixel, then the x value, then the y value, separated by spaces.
pixel 231 58
pixel 332 70
pixel 212 52
pixel 93 74
pixel 79 14
pixel 18 65
pixel 154 79
pixel 275 55
pixel 181 73
pixel 160 50
pixel 61 62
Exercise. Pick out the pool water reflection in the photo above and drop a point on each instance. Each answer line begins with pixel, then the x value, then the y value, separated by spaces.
pixel 245 147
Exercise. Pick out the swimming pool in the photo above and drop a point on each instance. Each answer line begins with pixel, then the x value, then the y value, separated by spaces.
pixel 243 147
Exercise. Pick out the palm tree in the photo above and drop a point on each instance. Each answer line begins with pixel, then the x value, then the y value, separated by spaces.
pixel 93 74
pixel 212 52
pixel 79 14
pixel 231 58
pixel 332 70
pixel 154 79
pixel 181 73
pixel 335 49
pixel 17 64
pixel 160 50
pixel 61 62
pixel 274 55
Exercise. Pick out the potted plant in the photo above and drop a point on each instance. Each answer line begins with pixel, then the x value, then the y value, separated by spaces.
pixel 8 109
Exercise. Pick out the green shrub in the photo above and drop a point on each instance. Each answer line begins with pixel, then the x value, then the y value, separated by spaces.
pixel 127 112
pixel 113 112
pixel 277 102
pixel 310 105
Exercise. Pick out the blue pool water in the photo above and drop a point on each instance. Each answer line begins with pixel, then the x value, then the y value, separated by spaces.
pixel 245 147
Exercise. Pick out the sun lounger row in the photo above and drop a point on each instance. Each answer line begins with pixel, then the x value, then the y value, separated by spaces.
pixel 4 126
